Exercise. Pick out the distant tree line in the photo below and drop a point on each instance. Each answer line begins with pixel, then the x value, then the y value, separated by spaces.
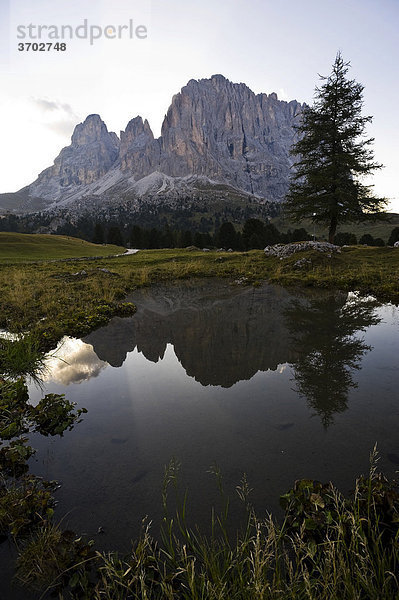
pixel 350 239
pixel 255 234
pixel 344 238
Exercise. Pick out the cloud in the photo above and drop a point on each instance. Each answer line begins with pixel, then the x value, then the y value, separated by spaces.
pixel 74 361
pixel 57 116
pixel 50 105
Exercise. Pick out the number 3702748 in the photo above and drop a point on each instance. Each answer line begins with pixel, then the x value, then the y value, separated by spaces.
pixel 41 46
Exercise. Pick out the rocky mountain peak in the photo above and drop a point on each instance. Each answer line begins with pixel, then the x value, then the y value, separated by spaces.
pixel 92 152
pixel 93 129
pixel 136 127
pixel 139 152
pixel 214 129
pixel 223 130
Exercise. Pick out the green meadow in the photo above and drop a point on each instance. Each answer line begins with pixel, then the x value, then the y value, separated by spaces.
pixel 21 247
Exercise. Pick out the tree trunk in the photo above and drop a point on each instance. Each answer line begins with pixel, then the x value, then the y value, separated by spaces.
pixel 332 230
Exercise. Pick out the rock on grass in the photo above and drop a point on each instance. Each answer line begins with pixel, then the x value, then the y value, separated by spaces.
pixel 284 250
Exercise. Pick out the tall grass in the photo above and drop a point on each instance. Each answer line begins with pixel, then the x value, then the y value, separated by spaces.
pixel 22 357
pixel 354 557
pixel 104 289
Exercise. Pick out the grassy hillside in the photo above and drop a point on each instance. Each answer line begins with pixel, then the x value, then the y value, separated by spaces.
pixel 382 230
pixel 21 247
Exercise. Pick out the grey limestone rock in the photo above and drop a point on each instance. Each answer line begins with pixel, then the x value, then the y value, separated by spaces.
pixel 215 133
pixel 92 152
pixel 223 130
pixel 284 250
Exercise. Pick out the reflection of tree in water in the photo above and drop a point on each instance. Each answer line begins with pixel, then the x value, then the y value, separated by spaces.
pixel 323 333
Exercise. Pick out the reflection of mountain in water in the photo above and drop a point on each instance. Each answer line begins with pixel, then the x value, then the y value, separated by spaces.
pixel 323 331
pixel 221 334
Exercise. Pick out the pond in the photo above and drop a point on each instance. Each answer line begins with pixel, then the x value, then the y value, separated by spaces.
pixel 278 384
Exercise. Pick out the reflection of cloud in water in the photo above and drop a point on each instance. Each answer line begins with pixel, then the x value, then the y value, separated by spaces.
pixel 73 362
pixel 354 298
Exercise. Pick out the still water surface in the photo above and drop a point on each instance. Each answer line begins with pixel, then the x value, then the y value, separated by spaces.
pixel 275 383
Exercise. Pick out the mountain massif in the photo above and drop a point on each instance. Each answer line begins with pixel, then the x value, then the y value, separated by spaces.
pixel 219 142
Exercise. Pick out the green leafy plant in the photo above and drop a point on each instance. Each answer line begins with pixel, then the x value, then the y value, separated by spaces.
pixel 310 508
pixel 14 457
pixel 54 559
pixel 24 503
pixel 13 417
pixel 54 415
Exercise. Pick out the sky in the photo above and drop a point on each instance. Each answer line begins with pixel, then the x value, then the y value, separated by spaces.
pixel 142 52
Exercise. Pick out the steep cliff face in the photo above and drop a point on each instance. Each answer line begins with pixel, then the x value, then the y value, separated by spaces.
pixel 139 152
pixel 92 152
pixel 214 130
pixel 223 130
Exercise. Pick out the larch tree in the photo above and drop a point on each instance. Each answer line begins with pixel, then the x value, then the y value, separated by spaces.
pixel 333 157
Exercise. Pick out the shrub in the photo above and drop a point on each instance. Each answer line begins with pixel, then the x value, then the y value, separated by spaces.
pixel 344 238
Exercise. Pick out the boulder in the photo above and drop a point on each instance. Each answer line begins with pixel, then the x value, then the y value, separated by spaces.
pixel 285 250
